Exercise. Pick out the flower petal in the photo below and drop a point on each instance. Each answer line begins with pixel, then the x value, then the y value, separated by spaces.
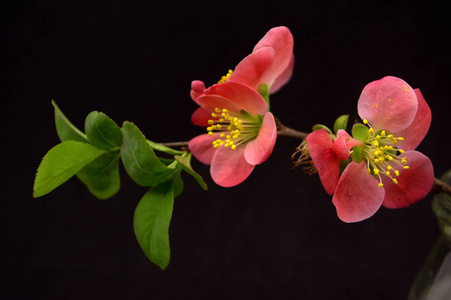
pixel 413 183
pixel 202 148
pixel 283 78
pixel 211 102
pixel 357 196
pixel 281 40
pixel 415 133
pixel 197 89
pixel 350 141
pixel 321 150
pixel 241 95
pixel 258 150
pixel 229 167
pixel 343 144
pixel 389 104
pixel 253 68
pixel 340 148
pixel 200 117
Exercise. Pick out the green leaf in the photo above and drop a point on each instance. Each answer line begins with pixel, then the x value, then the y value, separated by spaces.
pixel 65 129
pixel 321 126
pixel 163 148
pixel 151 222
pixel 101 176
pixel 185 163
pixel 263 90
pixel 178 184
pixel 61 163
pixel 139 160
pixel 103 132
pixel 341 123
pixel 357 154
pixel 360 132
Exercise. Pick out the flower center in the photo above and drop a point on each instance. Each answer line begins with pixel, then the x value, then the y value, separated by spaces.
pixel 234 128
pixel 382 156
pixel 225 77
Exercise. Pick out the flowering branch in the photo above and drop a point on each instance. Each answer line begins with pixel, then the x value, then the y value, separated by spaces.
pixel 378 165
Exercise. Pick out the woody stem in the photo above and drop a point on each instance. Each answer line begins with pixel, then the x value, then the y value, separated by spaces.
pixel 285 131
pixel 441 187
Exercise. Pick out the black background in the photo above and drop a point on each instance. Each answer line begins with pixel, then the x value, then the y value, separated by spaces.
pixel 274 236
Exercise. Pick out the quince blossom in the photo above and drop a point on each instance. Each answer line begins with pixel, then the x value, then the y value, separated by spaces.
pixel 241 132
pixel 385 169
pixel 271 62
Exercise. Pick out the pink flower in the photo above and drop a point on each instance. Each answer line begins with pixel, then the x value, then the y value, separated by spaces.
pixel 271 63
pixel 385 169
pixel 241 131
pixel 327 154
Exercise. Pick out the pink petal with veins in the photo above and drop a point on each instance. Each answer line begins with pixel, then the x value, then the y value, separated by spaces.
pixel 281 40
pixel 252 70
pixel 229 167
pixel 241 95
pixel 200 117
pixel 413 183
pixel 202 148
pixel 389 104
pixel 258 150
pixel 357 196
pixel 283 77
pixel 321 150
pixel 415 133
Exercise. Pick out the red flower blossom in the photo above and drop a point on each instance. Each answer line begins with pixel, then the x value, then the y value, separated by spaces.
pixel 271 63
pixel 241 131
pixel 385 169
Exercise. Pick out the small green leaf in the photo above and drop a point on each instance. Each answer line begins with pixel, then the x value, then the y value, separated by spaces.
pixel 341 123
pixel 185 162
pixel 139 160
pixel 263 90
pixel 357 154
pixel 61 163
pixel 164 149
pixel 103 132
pixel 65 129
pixel 321 126
pixel 360 132
pixel 151 222
pixel 101 176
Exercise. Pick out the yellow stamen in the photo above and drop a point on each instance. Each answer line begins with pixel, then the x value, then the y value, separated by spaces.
pixel 225 77
pixel 380 152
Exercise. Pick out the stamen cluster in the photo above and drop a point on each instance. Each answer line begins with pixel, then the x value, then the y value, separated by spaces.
pixel 225 77
pixel 234 131
pixel 382 156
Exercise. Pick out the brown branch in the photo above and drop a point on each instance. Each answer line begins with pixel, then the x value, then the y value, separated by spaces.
pixel 441 187
pixel 285 131
pixel 175 144
pixel 282 130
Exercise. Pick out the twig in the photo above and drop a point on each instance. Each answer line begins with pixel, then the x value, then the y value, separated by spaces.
pixel 285 131
pixel 441 187
pixel 282 130
pixel 175 144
